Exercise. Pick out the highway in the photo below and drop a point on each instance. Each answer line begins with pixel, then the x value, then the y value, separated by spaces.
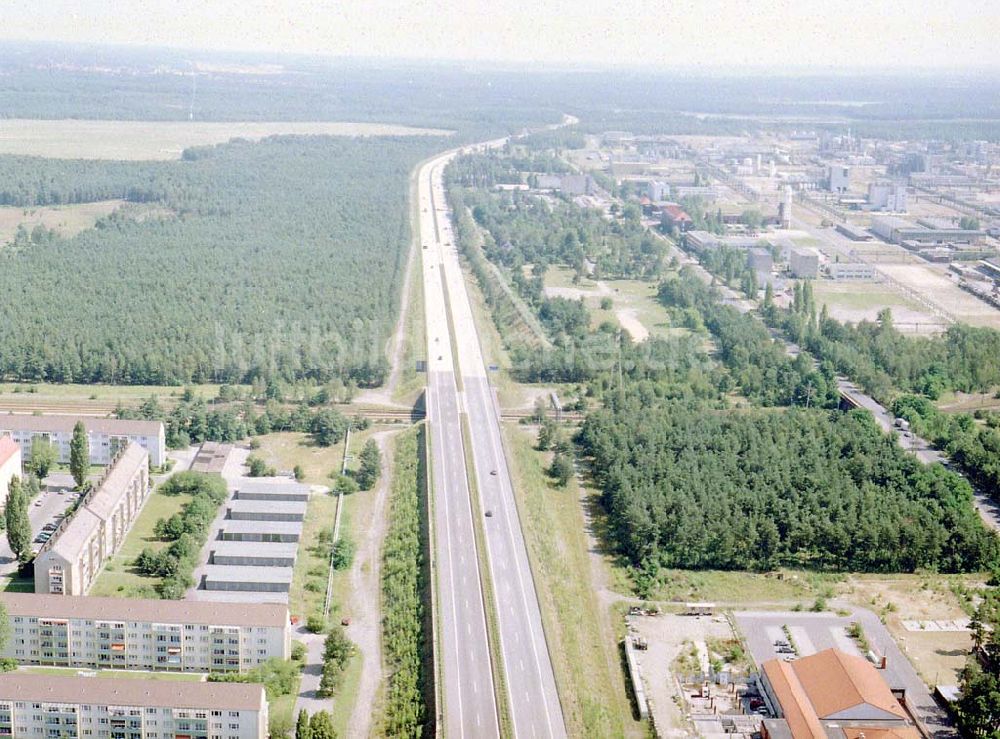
pixel 467 688
pixel 531 687
pixel 469 694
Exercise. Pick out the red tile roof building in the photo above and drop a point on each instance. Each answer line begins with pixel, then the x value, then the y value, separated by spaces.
pixel 832 695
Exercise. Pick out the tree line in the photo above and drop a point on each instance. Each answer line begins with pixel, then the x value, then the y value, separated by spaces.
pixel 759 489
pixel 257 275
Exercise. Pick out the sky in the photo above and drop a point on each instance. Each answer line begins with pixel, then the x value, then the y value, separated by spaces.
pixel 827 34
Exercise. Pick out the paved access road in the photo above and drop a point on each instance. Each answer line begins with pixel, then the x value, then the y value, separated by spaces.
pixel 534 701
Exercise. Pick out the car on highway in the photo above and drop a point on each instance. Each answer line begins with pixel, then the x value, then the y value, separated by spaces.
pixel 493 472
pixel 489 513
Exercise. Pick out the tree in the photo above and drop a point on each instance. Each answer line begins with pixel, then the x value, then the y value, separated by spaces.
pixel 299 473
pixel 371 462
pixel 43 457
pixel 344 484
pixel 257 467
pixel 547 434
pixel 18 525
pixel 4 627
pixel 321 726
pixel 328 427
pixel 79 455
pixel 561 468
pixel 302 728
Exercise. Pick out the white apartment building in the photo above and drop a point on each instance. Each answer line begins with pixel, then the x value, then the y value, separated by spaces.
pixel 70 561
pixel 135 634
pixel 106 435
pixel 10 466
pixel 46 706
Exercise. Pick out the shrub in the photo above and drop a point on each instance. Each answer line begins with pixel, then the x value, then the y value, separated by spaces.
pixel 316 624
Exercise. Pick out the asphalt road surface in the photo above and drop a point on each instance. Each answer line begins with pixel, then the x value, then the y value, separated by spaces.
pixel 467 690
pixel 41 510
pixel 534 701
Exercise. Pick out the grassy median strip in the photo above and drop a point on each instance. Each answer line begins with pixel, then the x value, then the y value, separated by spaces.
pixel 489 597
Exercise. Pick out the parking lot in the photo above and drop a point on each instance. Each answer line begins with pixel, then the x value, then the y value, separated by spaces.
pixel 46 510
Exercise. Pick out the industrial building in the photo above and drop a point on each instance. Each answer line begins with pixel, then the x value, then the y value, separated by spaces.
pixel 896 230
pixel 10 466
pixel 265 510
pixel 103 708
pixel 256 579
pixel 674 216
pixel 838 178
pixel 853 232
pixel 253 553
pixel 271 489
pixel 851 271
pixel 831 695
pixel 804 263
pixel 70 561
pixel 106 435
pixel 658 191
pixel 135 634
pixel 284 531
pixel 760 261
pixel 888 196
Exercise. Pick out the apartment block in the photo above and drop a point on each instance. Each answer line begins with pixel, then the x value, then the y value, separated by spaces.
pixel 135 634
pixel 102 708
pixel 70 561
pixel 107 436
pixel 10 466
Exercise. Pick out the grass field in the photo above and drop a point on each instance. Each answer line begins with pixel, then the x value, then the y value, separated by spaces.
pixel 591 687
pixel 98 400
pixel 857 301
pixel 937 656
pixel 632 302
pixel 145 140
pixel 186 677
pixel 745 589
pixel 66 220
pixel 117 578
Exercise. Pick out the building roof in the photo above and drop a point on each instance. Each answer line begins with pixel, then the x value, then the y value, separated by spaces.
pixel 211 457
pixel 241 505
pixel 836 682
pixel 119 475
pixel 833 686
pixel 273 485
pixel 676 212
pixel 802 720
pixel 238 526
pixel 68 543
pixel 867 732
pixel 65 424
pixel 237 573
pixel 21 686
pixel 8 448
pixel 228 548
pixel 140 610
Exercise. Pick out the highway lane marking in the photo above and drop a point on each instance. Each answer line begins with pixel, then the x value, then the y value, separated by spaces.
pixel 490 425
pixel 448 429
pixel 504 482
